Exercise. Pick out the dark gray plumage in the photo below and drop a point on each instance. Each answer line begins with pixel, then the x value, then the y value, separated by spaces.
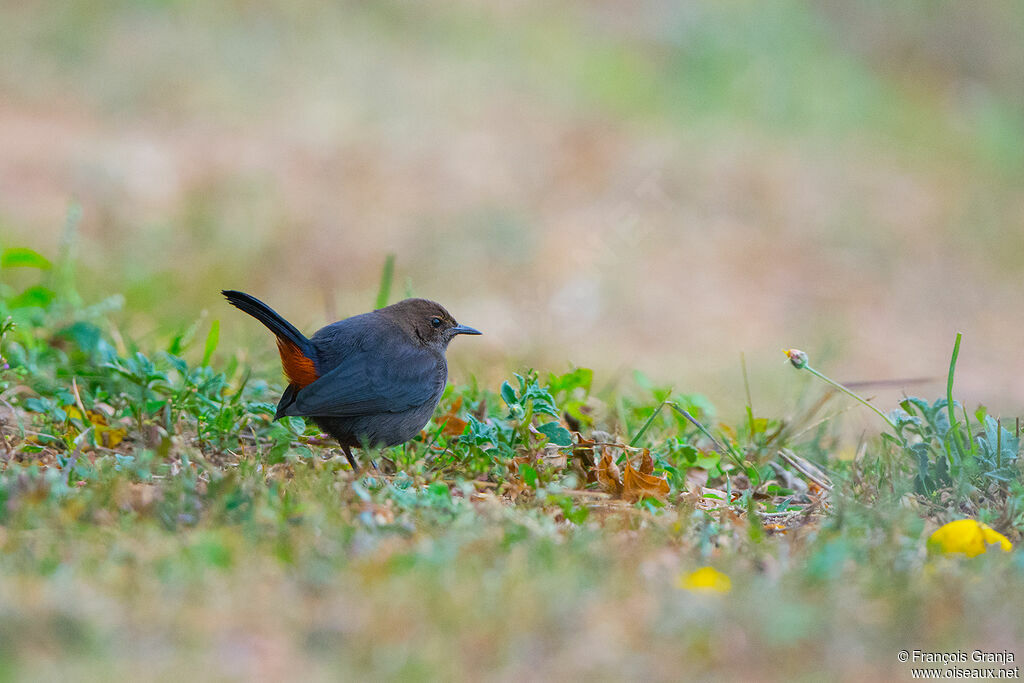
pixel 370 380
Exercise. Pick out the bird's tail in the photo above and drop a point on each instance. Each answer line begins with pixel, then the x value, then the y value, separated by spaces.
pixel 297 352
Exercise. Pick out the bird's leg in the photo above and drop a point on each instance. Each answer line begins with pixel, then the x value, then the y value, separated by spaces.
pixel 351 460
pixel 369 449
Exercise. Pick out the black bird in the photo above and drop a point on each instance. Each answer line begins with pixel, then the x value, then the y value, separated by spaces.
pixel 369 380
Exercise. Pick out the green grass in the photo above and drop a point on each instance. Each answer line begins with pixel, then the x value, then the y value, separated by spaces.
pixel 155 523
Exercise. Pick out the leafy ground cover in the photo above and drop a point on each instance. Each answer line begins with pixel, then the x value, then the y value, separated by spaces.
pixel 154 522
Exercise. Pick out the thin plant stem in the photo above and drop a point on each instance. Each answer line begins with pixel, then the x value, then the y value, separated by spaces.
pixel 647 424
pixel 852 395
pixel 746 388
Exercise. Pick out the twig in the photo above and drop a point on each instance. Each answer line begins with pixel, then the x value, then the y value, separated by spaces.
pixel 588 444
pixel 78 398
pixel 791 458
pixel 777 515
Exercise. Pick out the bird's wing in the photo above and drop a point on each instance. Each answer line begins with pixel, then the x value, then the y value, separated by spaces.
pixel 373 378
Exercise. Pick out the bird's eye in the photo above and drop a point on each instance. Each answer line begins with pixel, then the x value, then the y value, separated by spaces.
pixel 436 322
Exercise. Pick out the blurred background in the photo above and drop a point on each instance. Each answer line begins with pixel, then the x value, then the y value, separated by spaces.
pixel 658 186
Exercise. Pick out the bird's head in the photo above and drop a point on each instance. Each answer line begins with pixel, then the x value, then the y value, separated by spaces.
pixel 426 321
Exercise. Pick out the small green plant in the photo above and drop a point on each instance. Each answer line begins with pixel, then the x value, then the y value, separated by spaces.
pixel 938 444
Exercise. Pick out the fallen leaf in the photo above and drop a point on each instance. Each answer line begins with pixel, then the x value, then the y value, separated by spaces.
pixel 110 437
pixel 696 479
pixel 731 515
pixel 608 474
pixel 512 488
pixel 583 455
pixel 554 457
pixel 481 410
pixel 636 485
pixel 646 462
pixel 453 425
pixel 103 433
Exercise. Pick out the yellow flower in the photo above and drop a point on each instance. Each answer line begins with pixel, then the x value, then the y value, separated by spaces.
pixel 705 580
pixel 966 536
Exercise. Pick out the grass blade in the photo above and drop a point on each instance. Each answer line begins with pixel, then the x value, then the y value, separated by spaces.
pixel 212 339
pixel 386 276
pixel 953 424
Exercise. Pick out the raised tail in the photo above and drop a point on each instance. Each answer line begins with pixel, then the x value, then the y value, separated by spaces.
pixel 297 353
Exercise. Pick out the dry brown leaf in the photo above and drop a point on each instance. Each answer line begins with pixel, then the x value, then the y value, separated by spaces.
pixel 513 488
pixel 608 474
pixel 584 453
pixel 583 442
pixel 696 479
pixel 520 460
pixel 637 485
pixel 731 515
pixel 646 462
pixel 453 425
pixel 481 410
pixel 554 457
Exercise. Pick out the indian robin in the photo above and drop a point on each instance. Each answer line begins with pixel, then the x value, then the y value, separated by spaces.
pixel 369 380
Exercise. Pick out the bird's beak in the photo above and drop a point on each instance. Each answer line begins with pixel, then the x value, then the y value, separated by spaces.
pixel 464 329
